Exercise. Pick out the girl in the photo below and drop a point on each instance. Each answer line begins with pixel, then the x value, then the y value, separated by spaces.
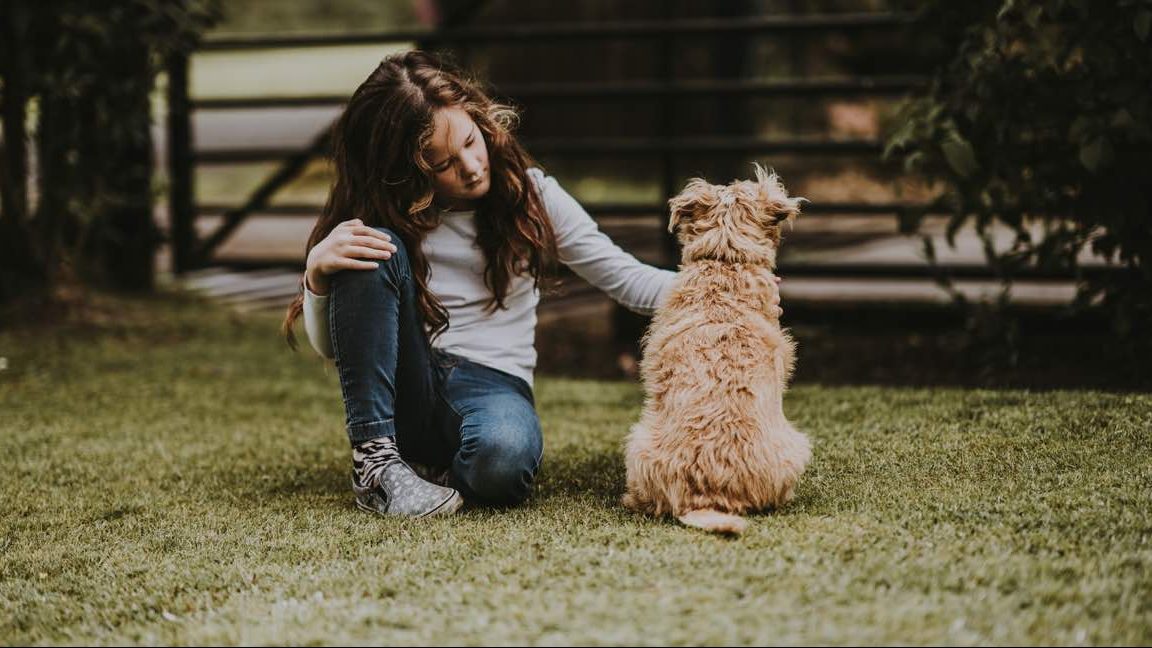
pixel 422 283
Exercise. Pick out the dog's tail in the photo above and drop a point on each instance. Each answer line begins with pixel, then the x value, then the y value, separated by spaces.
pixel 714 521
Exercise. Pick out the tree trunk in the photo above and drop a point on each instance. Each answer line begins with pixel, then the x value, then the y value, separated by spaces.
pixel 56 182
pixel 95 146
pixel 125 236
pixel 21 271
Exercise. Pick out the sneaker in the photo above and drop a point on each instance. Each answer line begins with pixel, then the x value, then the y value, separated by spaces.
pixel 434 474
pixel 384 484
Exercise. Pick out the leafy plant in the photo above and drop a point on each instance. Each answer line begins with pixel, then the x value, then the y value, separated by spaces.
pixel 1038 118
pixel 88 70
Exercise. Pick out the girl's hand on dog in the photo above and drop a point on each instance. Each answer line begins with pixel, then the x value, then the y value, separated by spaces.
pixel 346 247
pixel 775 302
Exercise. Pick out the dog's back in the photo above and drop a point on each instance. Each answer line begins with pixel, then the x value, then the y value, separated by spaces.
pixel 712 441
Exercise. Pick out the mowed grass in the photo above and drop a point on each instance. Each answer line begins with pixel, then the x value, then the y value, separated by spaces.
pixel 173 474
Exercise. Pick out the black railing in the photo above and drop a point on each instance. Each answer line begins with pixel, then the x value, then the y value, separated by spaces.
pixel 587 31
pixel 625 209
pixel 871 86
pixel 614 146
pixel 190 253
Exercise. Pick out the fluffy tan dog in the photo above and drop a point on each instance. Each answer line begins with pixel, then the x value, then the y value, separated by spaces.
pixel 712 441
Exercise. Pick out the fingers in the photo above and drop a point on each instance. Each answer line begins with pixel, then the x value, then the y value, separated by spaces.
pixel 373 242
pixel 358 227
pixel 348 225
pixel 337 264
pixel 362 230
pixel 362 252
pixel 355 264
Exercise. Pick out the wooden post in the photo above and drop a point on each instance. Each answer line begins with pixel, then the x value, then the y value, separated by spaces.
pixel 668 177
pixel 181 170
pixel 628 327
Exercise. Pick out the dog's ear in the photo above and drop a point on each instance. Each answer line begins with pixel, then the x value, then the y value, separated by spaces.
pixel 774 199
pixel 697 196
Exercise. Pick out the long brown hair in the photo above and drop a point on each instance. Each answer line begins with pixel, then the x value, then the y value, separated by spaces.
pixel 383 179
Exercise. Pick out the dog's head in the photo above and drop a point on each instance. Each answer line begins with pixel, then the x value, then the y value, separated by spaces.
pixel 737 223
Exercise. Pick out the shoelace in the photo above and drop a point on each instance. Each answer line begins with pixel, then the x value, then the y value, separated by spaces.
pixel 371 458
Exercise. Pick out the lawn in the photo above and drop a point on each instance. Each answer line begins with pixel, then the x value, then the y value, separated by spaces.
pixel 171 473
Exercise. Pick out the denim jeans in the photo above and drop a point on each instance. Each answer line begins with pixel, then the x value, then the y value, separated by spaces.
pixel 443 410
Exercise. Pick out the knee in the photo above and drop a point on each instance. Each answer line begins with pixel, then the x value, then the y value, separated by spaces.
pixel 394 269
pixel 500 467
pixel 401 250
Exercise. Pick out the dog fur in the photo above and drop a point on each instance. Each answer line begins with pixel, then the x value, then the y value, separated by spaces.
pixel 712 441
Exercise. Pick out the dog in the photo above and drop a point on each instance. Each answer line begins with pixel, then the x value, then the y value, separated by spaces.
pixel 712 441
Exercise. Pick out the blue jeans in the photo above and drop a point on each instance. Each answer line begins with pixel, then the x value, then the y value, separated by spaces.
pixel 443 410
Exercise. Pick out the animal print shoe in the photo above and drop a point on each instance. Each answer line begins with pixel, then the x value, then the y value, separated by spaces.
pixel 434 474
pixel 384 484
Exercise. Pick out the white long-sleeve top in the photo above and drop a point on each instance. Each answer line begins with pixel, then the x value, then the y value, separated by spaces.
pixel 505 339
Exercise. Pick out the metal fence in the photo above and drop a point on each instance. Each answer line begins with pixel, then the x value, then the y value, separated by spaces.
pixel 192 252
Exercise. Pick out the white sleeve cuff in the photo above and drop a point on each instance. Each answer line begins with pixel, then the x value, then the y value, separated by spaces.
pixel 316 322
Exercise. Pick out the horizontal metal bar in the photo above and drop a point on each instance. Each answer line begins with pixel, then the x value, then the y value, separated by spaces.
pixel 807 269
pixel 652 146
pixel 243 103
pixel 616 209
pixel 631 90
pixel 610 146
pixel 240 156
pixel 595 30
pixel 907 270
pixel 773 87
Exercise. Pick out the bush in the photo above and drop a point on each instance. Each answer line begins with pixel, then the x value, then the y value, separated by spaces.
pixel 1038 116
pixel 89 68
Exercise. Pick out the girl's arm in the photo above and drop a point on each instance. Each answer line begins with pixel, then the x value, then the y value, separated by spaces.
pixel 592 255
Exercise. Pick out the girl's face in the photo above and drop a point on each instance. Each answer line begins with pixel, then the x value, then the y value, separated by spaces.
pixel 458 156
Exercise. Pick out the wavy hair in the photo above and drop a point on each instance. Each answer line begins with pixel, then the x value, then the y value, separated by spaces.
pixel 383 179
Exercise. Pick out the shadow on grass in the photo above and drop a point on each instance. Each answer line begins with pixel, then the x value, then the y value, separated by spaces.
pixel 286 482
pixel 586 474
pixel 582 472
pixel 598 478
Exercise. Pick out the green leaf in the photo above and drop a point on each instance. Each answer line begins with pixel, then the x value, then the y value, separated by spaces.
pixel 1032 16
pixel 914 161
pixel 1008 7
pixel 960 156
pixel 1079 125
pixel 1123 119
pixel 1142 24
pixel 1096 154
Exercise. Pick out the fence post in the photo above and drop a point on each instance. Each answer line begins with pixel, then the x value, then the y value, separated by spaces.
pixel 628 327
pixel 181 197
pixel 667 131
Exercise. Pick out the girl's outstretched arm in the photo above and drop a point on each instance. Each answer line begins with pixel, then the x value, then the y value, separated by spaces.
pixel 591 254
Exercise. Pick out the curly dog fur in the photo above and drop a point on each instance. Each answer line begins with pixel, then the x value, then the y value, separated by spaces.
pixel 712 442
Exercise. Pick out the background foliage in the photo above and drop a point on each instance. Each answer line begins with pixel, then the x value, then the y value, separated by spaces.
pixel 81 73
pixel 1037 118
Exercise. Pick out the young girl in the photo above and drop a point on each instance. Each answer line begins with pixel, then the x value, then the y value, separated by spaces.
pixel 422 283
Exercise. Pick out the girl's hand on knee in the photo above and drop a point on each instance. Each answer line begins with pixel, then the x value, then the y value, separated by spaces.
pixel 351 245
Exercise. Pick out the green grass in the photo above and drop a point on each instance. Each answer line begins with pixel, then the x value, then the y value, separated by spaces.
pixel 173 474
